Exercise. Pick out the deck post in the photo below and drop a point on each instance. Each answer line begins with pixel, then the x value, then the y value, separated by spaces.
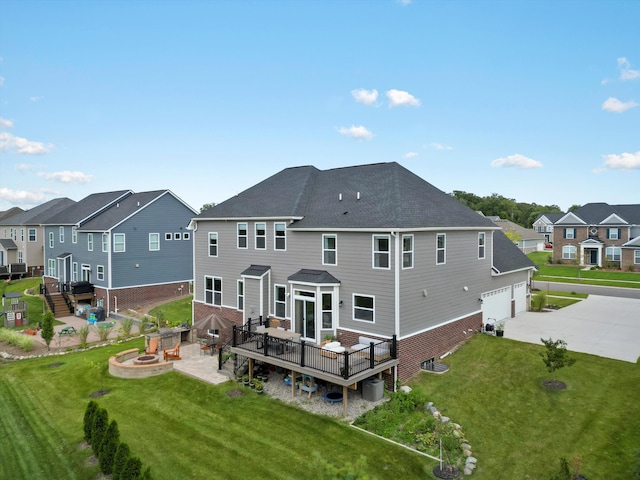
pixel 345 399
pixel 294 375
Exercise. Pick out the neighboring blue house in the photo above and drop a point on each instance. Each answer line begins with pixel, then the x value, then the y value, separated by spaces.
pixel 118 250
pixel 363 253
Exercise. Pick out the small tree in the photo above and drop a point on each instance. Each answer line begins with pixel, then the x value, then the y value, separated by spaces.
pixel 122 455
pixel 100 423
pixel 555 357
pixel 131 469
pixel 146 474
pixel 89 413
pixel 109 447
pixel 47 328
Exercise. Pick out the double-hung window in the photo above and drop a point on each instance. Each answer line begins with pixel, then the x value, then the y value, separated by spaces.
pixel 613 233
pixel 261 236
pixel 50 239
pixel 213 290
pixel 381 251
pixel 363 308
pixel 613 254
pixel 280 297
pixel 441 248
pixel 570 233
pixel 61 234
pixel 32 235
pixel 240 295
pixel 154 242
pixel 329 249
pixel 74 234
pixel 105 242
pixel 213 244
pixel 280 236
pixel 327 310
pixel 74 272
pixel 51 266
pixel 90 242
pixel 100 272
pixel 407 251
pixel 481 244
pixel 569 252
pixel 636 257
pixel 242 235
pixel 118 242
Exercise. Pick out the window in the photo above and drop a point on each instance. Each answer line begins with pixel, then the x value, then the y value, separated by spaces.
pixel 100 272
pixel 613 233
pixel 154 242
pixel 177 236
pixel 481 244
pixel 327 310
pixel 32 236
pixel 363 308
pixel 570 233
pixel 50 239
pixel 105 242
pixel 441 248
pixel 186 236
pixel 280 301
pixel 261 236
pixel 213 244
pixel 168 236
pixel 74 272
pixel 242 235
pixel 118 242
pixel 74 234
pixel 613 254
pixel 51 266
pixel 213 290
pixel 280 236
pixel 329 250
pixel 407 251
pixel 90 242
pixel 20 258
pixel 381 251
pixel 22 235
pixel 636 257
pixel 240 295
pixel 60 233
pixel 569 252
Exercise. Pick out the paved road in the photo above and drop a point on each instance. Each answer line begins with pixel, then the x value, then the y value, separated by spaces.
pixel 590 289
pixel 604 326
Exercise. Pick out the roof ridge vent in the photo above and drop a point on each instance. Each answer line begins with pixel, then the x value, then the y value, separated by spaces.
pixel 358 196
pixel 339 197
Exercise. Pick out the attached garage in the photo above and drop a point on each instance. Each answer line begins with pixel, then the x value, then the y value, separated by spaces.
pixel 520 297
pixel 496 305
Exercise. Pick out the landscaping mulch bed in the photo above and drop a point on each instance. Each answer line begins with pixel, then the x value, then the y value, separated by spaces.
pixel 234 393
pixel 554 384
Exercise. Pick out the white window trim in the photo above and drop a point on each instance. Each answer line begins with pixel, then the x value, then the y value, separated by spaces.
pixel 209 244
pixel 51 237
pixel 411 236
pixel 374 251
pixel 74 234
pixel 100 276
pixel 572 250
pixel 105 242
pixel 240 296
pixel 616 251
pixel 177 236
pixel 256 236
pixel 168 236
pixel 35 235
pixel 354 307
pixel 325 250
pixel 51 267
pixel 277 302
pixel 116 243
pixel 323 310
pixel 186 235
pixel 60 234
pixel 611 232
pixel 74 271
pixel 444 249
pixel 482 245
pixel 636 257
pixel 245 236
pixel 90 242
pixel 156 242
pixel 570 231
pixel 276 237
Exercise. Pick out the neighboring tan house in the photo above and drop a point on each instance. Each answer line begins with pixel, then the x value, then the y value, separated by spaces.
pixel 599 234
pixel 369 253
pixel 525 239
pixel 26 231
pixel 123 248
pixel 544 225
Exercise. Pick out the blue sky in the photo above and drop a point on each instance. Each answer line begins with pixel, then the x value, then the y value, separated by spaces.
pixel 538 101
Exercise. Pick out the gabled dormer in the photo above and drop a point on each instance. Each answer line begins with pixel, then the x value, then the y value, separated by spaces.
pixel 570 219
pixel 614 219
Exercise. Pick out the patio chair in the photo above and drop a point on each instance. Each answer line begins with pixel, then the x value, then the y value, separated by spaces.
pixel 172 353
pixel 274 323
pixel 152 348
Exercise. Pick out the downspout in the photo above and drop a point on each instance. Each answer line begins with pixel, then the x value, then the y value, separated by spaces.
pixel 193 270
pixel 396 295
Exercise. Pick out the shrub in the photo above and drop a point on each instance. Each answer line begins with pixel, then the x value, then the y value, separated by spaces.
pixel 538 302
pixel 89 414
pixel 103 332
pixel 108 448
pixel 25 342
pixel 47 332
pixel 146 475
pixel 126 324
pixel 131 469
pixel 120 459
pixel 100 422
pixel 83 333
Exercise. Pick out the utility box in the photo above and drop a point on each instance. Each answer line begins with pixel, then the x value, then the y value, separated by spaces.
pixel 373 389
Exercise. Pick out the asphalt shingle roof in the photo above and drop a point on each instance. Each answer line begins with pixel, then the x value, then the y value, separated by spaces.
pixel 307 275
pixel 40 214
pixel 87 207
pixel 596 213
pixel 122 210
pixel 507 256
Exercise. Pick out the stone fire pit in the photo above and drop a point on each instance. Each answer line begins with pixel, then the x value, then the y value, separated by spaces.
pixel 146 360
pixel 130 364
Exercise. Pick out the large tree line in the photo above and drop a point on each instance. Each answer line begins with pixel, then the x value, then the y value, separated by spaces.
pixel 522 213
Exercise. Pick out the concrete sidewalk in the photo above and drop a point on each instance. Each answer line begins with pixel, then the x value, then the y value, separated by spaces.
pixel 604 326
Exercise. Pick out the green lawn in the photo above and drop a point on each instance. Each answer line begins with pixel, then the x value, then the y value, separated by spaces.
pixel 519 429
pixel 176 312
pixel 182 427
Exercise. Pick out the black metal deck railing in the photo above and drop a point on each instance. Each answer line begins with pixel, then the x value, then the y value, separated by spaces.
pixel 309 355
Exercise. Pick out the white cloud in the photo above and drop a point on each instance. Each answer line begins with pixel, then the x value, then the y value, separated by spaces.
pixel 24 167
pixel 404 3
pixel 21 145
pixel 6 123
pixel 440 146
pixel 612 104
pixel 364 96
pixel 21 196
pixel 358 133
pixel 624 161
pixel 517 160
pixel 626 72
pixel 410 155
pixel 67 177
pixel 36 99
pixel 400 98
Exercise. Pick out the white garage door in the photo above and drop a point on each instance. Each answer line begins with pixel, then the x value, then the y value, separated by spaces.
pixel 496 305
pixel 520 297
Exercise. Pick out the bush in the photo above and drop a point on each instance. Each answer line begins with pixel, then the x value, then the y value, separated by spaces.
pixel 47 332
pixel 99 428
pixel 103 332
pixel 108 448
pixel 120 459
pixel 83 333
pixel 131 469
pixel 25 342
pixel 538 302
pixel 89 414
pixel 126 324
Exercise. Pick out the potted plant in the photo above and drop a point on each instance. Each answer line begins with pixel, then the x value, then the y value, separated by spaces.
pixel 500 330
pixel 245 379
pixel 259 386
pixel 253 383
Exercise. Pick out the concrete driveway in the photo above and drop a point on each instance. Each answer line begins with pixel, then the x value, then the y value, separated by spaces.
pixel 604 326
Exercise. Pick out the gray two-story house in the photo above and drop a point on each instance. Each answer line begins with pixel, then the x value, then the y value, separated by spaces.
pixel 130 248
pixel 369 251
